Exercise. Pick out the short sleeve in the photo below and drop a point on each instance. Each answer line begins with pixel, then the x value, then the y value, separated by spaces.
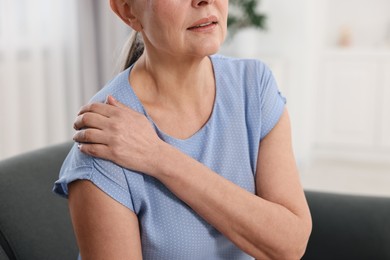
pixel 106 175
pixel 272 102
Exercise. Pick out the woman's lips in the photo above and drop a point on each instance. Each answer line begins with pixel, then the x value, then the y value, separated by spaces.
pixel 205 23
pixel 204 26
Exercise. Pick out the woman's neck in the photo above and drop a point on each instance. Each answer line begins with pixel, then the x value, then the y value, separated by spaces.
pixel 172 80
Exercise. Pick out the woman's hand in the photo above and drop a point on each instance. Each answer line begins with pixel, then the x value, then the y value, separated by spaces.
pixel 114 132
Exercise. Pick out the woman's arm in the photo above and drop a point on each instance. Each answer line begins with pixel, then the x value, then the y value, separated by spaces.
pixel 104 228
pixel 275 224
pixel 277 181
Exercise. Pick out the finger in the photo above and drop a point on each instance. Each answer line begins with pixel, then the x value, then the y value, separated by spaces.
pixel 112 101
pixel 99 108
pixel 91 136
pixel 95 150
pixel 90 120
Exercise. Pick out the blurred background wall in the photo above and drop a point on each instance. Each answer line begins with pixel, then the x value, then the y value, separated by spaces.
pixel 331 59
pixel 54 55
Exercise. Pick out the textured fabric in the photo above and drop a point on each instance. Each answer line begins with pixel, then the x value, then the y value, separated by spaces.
pixel 348 227
pixel 34 224
pixel 247 106
pixel 3 255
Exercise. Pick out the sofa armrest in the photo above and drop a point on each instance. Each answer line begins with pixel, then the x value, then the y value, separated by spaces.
pixel 348 227
pixel 34 222
pixel 3 255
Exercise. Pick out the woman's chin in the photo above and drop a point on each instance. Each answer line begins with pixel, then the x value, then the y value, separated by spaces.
pixel 207 49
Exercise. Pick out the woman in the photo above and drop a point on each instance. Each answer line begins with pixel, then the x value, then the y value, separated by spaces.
pixel 185 155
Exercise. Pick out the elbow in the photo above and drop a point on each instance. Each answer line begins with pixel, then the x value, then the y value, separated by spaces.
pixel 290 254
pixel 294 251
pixel 296 247
pixel 292 248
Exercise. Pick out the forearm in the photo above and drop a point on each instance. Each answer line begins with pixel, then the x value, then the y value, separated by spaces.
pixel 261 228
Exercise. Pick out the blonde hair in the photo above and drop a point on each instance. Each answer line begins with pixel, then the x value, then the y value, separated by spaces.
pixel 133 49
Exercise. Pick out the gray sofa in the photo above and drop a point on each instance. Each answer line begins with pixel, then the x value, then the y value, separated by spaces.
pixel 35 224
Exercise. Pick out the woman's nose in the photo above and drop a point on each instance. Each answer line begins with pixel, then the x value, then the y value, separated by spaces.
pixel 198 3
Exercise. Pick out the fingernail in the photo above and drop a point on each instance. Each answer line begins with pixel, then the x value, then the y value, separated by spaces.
pixel 112 98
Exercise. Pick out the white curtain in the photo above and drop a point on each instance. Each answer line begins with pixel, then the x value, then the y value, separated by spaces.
pixel 54 55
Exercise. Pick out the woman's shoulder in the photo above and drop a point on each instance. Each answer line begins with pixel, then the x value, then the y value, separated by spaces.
pixel 114 86
pixel 242 71
pixel 119 87
pixel 237 61
pixel 105 174
pixel 239 66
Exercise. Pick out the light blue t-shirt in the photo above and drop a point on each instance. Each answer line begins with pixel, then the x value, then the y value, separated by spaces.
pixel 247 106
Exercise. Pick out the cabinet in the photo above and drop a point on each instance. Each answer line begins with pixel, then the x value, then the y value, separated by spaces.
pixel 346 102
pixel 332 61
pixel 386 107
pixel 353 104
pixel 352 96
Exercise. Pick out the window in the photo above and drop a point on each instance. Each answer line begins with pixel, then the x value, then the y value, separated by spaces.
pixel 38 61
